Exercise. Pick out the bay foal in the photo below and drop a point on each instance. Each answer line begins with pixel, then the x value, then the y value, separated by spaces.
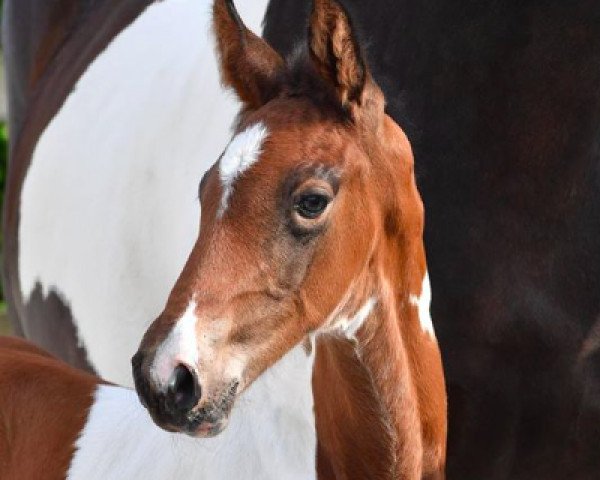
pixel 310 238
pixel 298 333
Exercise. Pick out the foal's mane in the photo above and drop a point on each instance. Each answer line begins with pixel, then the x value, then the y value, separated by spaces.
pixel 302 80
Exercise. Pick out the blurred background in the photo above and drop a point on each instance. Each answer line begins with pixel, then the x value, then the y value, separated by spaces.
pixel 4 327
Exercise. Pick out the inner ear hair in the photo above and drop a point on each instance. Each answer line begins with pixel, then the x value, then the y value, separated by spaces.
pixel 335 51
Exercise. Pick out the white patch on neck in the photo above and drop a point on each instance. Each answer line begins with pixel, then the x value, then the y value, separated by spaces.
pixel 271 434
pixel 423 303
pixel 180 346
pixel 241 153
pixel 350 325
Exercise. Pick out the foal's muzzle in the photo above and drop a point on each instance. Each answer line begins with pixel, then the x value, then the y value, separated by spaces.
pixel 178 405
pixel 171 406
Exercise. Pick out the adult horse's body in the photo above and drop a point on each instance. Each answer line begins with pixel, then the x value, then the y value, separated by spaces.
pixel 148 94
pixel 502 106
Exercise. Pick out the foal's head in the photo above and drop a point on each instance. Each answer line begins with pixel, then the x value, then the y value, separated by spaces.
pixel 315 180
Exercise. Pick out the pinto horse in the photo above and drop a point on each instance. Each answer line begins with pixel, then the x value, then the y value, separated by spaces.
pixel 308 280
pixel 159 119
pixel 500 102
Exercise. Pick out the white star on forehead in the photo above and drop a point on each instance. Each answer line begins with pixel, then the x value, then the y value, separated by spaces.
pixel 242 152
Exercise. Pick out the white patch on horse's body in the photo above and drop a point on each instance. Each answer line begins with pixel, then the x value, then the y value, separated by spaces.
pixel 271 435
pixel 109 209
pixel 350 325
pixel 423 303
pixel 345 322
pixel 241 153
pixel 180 347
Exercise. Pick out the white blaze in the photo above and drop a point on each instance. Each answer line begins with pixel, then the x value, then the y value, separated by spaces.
pixel 241 153
pixel 180 347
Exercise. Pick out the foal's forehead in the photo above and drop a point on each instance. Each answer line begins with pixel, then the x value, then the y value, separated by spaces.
pixel 276 141
pixel 266 151
pixel 297 122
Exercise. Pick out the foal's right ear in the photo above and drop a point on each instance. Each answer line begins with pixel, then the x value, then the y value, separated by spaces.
pixel 338 58
pixel 248 64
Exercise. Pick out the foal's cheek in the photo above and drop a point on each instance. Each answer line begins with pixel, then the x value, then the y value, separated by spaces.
pixel 293 258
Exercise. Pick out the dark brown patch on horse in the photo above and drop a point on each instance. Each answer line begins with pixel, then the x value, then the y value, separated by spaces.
pixel 390 225
pixel 50 323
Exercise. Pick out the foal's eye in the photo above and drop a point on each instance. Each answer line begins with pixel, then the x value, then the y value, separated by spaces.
pixel 312 205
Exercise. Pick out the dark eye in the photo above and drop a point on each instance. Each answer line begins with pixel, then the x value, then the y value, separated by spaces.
pixel 312 205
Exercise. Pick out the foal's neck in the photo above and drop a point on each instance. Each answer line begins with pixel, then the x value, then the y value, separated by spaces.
pixel 374 420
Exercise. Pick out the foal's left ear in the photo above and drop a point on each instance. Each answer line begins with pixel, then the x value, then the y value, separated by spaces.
pixel 337 56
pixel 249 65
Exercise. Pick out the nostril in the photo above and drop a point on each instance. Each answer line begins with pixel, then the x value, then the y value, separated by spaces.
pixel 183 391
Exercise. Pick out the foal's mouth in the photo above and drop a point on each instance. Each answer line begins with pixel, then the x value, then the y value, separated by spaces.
pixel 212 416
pixel 207 419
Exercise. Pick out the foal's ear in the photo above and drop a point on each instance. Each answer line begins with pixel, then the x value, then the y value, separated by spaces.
pixel 248 64
pixel 336 54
